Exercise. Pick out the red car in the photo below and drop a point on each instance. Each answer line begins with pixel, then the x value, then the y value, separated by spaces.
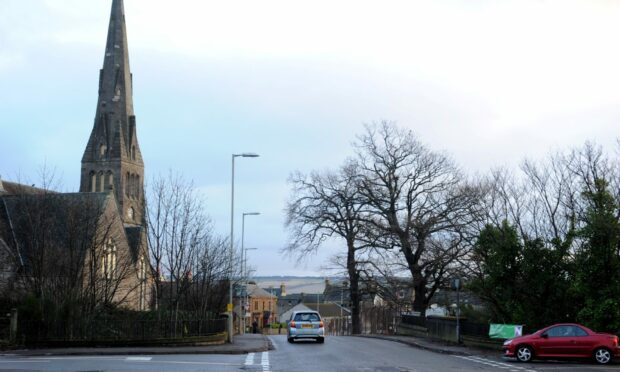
pixel 564 341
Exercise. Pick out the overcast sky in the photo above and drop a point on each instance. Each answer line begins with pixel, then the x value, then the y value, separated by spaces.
pixel 489 82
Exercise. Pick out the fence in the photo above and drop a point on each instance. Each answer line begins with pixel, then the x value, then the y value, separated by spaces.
pixel 445 327
pixel 378 320
pixel 338 326
pixel 34 331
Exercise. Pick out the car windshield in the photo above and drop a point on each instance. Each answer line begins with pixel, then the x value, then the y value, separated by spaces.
pixel 307 317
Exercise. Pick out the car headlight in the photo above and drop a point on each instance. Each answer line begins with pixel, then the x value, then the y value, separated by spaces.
pixel 507 342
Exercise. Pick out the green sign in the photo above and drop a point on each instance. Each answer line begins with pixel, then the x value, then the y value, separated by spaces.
pixel 505 331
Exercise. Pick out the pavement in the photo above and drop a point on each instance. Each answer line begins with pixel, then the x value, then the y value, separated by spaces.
pixel 436 346
pixel 242 344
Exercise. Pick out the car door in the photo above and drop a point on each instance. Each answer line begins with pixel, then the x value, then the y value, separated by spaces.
pixel 556 341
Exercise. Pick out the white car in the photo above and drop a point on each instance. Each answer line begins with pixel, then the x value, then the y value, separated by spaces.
pixel 306 324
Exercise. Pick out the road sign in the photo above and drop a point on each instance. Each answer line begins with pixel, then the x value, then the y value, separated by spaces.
pixel 229 308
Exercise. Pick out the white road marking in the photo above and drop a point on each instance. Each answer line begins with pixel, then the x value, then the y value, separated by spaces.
pixel 249 360
pixel 196 363
pixel 265 361
pixel 138 359
pixel 493 363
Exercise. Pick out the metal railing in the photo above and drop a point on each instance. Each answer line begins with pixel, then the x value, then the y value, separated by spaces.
pixel 119 330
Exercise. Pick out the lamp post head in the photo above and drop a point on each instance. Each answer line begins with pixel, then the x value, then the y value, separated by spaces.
pixel 246 155
pixel 251 214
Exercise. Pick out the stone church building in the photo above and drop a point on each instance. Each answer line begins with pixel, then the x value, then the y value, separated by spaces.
pixel 98 234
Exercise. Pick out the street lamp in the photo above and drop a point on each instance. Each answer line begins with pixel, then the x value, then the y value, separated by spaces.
pixel 243 261
pixel 232 225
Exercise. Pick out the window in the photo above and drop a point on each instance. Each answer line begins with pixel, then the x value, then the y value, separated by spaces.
pixel 102 150
pixel 108 264
pixel 110 177
pixel 561 331
pixel 93 181
pixel 142 277
pixel 127 181
pixel 307 317
pixel 579 332
pixel 101 182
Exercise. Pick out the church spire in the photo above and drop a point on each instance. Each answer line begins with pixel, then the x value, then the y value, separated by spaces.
pixel 112 159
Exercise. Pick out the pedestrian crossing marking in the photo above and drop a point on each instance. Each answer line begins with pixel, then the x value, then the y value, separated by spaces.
pixel 492 363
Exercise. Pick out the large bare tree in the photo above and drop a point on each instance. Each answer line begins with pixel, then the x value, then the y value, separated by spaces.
pixel 420 200
pixel 328 205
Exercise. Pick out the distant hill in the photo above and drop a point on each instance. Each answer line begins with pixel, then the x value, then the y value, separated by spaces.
pixel 295 284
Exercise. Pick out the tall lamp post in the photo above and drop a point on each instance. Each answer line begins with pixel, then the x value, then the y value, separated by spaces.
pixel 232 253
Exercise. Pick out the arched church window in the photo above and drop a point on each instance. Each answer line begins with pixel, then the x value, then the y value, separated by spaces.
pixel 133 152
pixel 127 184
pixel 101 182
pixel 142 277
pixel 93 181
pixel 102 150
pixel 108 262
pixel 132 185
pixel 110 178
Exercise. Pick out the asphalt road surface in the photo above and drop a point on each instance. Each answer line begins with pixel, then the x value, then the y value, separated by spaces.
pixel 347 354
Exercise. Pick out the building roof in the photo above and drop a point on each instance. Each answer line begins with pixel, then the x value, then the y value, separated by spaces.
pixel 62 221
pixel 14 188
pixel 329 310
pixel 256 291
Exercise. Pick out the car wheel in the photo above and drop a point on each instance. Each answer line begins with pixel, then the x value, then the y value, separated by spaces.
pixel 524 354
pixel 290 340
pixel 320 340
pixel 602 356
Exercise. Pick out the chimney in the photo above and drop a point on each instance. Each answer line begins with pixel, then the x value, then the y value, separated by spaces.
pixel 282 286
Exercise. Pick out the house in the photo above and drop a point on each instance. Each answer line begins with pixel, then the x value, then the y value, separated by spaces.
pixel 261 306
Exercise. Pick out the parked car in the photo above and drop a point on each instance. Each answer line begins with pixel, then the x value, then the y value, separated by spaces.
pixel 306 324
pixel 564 341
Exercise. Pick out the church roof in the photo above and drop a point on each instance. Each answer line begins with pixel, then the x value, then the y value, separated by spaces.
pixel 13 188
pixel 66 222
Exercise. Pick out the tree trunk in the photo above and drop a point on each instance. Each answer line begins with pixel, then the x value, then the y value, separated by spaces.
pixel 353 289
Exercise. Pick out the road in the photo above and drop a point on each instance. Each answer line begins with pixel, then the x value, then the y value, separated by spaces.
pixel 346 354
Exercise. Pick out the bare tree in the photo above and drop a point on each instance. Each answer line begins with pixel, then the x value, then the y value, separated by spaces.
pixel 328 205
pixel 186 257
pixel 420 200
